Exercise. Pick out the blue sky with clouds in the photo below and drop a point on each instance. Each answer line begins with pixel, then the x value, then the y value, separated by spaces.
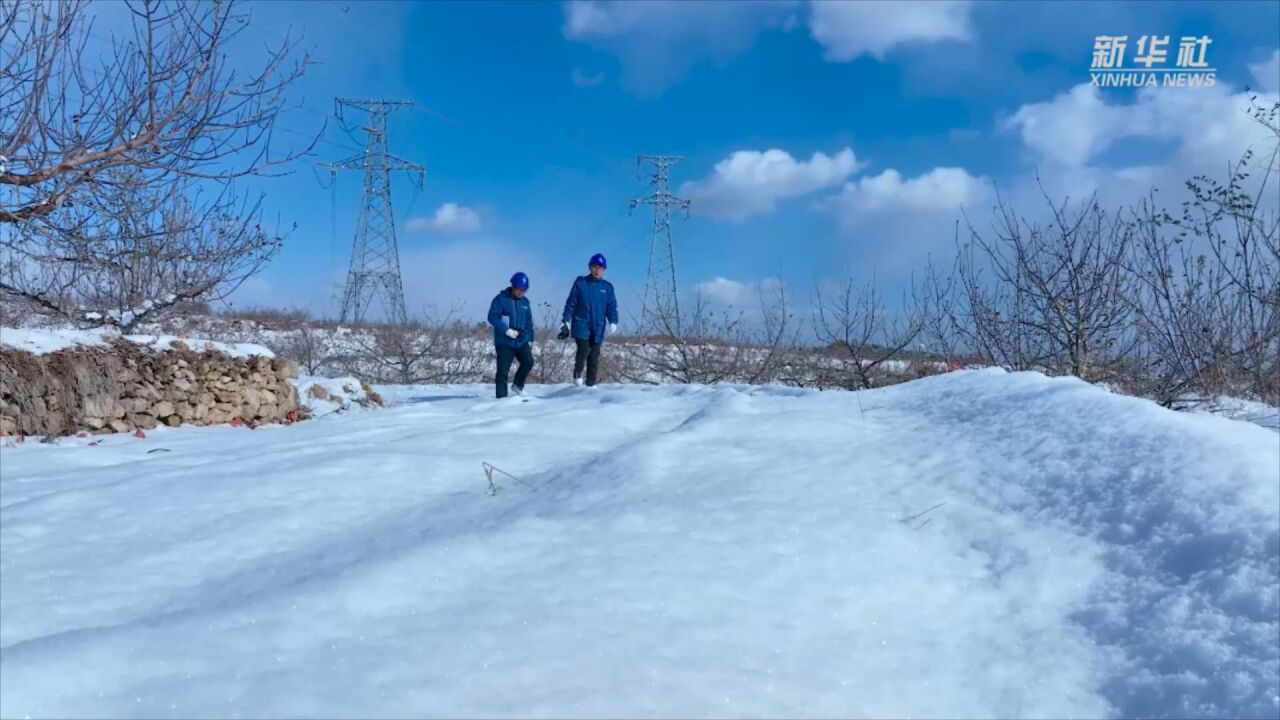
pixel 819 138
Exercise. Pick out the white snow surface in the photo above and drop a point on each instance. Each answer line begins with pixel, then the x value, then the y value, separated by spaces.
pixel 977 544
pixel 42 341
pixel 1262 414
pixel 344 393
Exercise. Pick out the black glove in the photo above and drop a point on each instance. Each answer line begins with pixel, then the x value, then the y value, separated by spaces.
pixel 564 333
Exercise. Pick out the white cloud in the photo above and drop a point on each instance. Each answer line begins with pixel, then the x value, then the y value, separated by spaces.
pixel 659 40
pixel 1267 73
pixel 847 30
pixel 1078 137
pixel 449 218
pixel 895 223
pixel 1082 141
pixel 583 79
pixel 723 292
pixel 750 182
pixel 944 189
pixel 1069 128
pixel 587 17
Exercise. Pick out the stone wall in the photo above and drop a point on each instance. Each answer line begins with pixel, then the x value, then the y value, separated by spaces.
pixel 124 386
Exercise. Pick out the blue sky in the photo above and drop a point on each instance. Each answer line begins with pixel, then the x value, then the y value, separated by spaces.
pixel 820 139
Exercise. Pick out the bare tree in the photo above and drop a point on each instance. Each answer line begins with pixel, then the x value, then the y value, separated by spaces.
pixel 686 349
pixel 1241 226
pixel 163 104
pixel 398 354
pixel 854 324
pixel 309 346
pixel 429 351
pixel 554 356
pixel 1184 316
pixel 135 251
pixel 119 203
pixel 778 339
pixel 1049 297
pixel 705 345
pixel 1208 301
pixel 933 301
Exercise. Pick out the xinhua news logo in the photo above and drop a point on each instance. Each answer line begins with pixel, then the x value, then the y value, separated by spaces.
pixel 1150 64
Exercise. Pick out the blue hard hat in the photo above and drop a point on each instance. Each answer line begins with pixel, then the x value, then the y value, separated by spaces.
pixel 598 259
pixel 520 280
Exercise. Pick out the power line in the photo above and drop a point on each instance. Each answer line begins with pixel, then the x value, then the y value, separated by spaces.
pixel 308 136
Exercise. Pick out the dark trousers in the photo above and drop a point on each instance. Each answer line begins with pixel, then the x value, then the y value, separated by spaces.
pixel 588 354
pixel 522 355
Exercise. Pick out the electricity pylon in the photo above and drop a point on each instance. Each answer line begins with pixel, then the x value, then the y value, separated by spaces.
pixel 375 257
pixel 661 301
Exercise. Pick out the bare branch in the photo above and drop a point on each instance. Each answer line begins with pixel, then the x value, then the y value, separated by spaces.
pixel 164 105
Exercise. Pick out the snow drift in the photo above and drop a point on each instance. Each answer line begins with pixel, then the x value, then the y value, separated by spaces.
pixel 971 545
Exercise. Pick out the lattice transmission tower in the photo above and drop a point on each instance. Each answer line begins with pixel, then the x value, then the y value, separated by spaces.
pixel 661 301
pixel 375 256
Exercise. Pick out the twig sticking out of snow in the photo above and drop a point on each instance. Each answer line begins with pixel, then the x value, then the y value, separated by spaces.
pixel 907 520
pixel 489 470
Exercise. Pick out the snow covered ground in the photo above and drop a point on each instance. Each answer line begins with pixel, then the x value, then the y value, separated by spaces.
pixel 978 544
pixel 42 341
pixel 1267 416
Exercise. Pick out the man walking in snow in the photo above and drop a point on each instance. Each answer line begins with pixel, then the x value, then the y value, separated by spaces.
pixel 512 321
pixel 589 311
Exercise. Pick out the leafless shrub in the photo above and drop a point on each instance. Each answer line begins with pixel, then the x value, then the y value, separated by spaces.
pixel 703 345
pixel 778 339
pixel 688 349
pixel 308 346
pixel 1179 307
pixel 933 302
pixel 1048 297
pixel 428 351
pixel 862 336
pixel 1208 292
pixel 397 353
pixel 554 356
